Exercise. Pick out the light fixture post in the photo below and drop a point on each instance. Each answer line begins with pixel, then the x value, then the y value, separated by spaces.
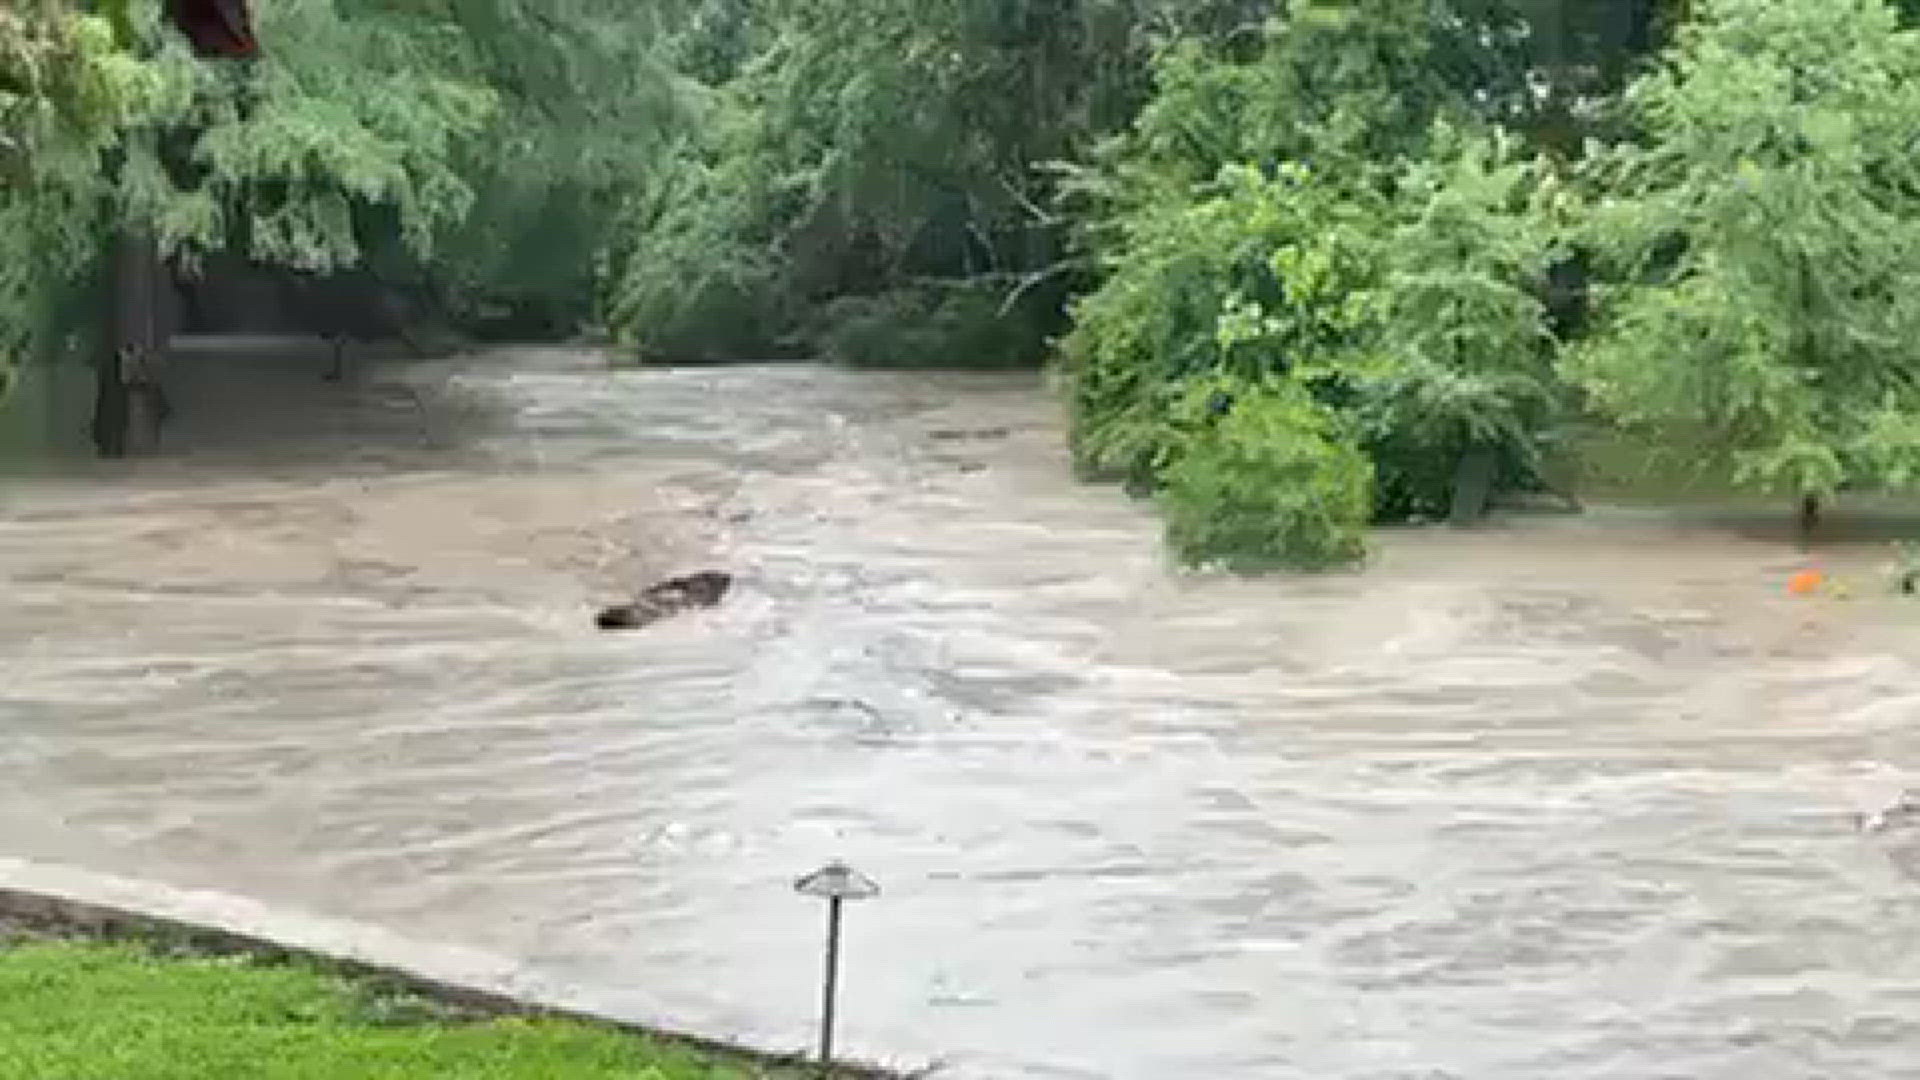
pixel 836 883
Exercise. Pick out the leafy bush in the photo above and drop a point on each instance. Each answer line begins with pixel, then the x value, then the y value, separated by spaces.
pixel 1274 483
pixel 1260 276
pixel 947 324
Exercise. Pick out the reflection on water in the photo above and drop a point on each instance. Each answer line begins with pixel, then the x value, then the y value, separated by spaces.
pixel 1565 798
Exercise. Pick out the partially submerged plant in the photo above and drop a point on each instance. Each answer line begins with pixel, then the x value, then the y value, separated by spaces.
pixel 1906 571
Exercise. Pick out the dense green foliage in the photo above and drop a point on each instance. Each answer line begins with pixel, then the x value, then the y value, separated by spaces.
pixel 1462 322
pixel 66 91
pixel 474 148
pixel 1379 250
pixel 1764 236
pixel 1273 483
pixel 1295 259
pixel 586 104
pixel 120 1012
pixel 864 178
pixel 845 148
pixel 286 157
pixel 1364 211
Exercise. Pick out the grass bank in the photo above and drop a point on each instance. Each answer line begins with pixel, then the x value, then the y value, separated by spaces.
pixel 136 1010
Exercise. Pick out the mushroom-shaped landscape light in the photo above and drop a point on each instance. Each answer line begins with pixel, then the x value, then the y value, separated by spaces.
pixel 836 883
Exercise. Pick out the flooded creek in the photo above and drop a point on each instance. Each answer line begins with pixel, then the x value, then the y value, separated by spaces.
pixel 1565 797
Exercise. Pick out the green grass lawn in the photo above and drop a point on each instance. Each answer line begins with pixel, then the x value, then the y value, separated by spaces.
pixel 94 1011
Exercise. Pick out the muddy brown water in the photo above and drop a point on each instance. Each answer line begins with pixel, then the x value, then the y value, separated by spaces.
pixel 1558 797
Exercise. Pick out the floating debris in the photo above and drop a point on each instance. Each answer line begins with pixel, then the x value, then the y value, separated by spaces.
pixel 669 597
pixel 1904 810
pixel 1806 582
pixel 950 434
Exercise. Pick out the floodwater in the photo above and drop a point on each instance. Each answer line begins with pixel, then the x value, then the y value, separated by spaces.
pixel 1561 797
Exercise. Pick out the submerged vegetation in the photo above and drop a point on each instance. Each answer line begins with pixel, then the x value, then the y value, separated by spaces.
pixel 1302 265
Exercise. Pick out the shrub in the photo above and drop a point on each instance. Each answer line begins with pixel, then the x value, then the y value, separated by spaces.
pixel 1272 483
pixel 942 324
pixel 1260 277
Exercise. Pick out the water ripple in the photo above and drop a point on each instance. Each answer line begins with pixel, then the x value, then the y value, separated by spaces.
pixel 1566 800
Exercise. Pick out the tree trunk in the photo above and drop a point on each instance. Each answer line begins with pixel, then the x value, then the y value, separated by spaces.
pixel 109 407
pixel 129 403
pixel 1809 518
pixel 1473 485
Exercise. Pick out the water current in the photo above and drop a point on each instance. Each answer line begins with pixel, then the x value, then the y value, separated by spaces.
pixel 1558 797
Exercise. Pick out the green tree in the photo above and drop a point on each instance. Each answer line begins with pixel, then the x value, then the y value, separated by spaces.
pixel 1462 323
pixel 1263 278
pixel 355 106
pixel 1763 237
pixel 476 145
pixel 586 105
pixel 68 88
pixel 1332 215
pixel 863 177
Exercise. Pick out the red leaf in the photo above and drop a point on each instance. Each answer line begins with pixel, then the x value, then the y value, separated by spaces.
pixel 215 28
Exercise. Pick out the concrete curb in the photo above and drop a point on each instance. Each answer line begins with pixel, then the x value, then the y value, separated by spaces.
pixel 70 900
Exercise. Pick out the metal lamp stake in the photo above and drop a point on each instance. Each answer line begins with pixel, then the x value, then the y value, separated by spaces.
pixel 836 883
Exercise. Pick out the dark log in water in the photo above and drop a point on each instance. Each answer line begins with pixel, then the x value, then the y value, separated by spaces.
pixel 665 598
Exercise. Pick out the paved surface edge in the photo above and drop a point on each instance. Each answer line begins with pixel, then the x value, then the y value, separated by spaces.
pixel 68 898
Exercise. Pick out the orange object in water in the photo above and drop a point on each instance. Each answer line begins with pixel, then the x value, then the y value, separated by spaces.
pixel 1805 581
